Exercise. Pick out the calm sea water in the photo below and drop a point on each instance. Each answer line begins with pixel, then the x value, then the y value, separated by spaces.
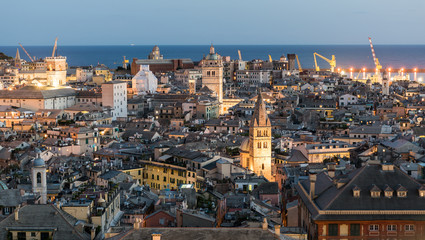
pixel 358 56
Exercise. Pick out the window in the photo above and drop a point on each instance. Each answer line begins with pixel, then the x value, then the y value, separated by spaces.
pixel 161 221
pixel 354 229
pixel 333 229
pixel 401 194
pixel 409 227
pixel 391 227
pixel 22 235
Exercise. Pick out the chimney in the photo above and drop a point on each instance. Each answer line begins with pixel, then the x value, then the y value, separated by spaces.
pixel 17 213
pixel 277 230
pixel 313 178
pixel 156 236
pixel 331 170
pixel 265 225
pixel 92 233
pixel 136 224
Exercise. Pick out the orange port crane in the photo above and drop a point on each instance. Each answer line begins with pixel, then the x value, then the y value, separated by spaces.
pixel 32 60
pixel 332 62
pixel 299 64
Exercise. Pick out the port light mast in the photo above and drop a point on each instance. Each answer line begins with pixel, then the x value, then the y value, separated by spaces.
pixel 375 60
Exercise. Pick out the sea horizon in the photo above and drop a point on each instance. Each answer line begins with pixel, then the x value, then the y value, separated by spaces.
pixel 347 55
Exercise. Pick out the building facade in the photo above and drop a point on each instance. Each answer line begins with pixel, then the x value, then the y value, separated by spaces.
pixel 114 95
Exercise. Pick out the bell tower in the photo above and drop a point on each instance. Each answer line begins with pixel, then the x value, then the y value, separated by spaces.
pixel 38 178
pixel 260 141
pixel 212 74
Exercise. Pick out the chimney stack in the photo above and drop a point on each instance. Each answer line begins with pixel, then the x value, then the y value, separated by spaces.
pixel 277 230
pixel 331 170
pixel 265 225
pixel 92 233
pixel 17 213
pixel 313 178
pixel 156 236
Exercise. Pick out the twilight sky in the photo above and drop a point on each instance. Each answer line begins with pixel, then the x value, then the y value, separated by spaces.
pixel 186 22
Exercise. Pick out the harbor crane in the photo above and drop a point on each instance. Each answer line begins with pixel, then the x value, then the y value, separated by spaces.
pixel 375 60
pixel 124 63
pixel 55 47
pixel 332 62
pixel 32 60
pixel 299 64
pixel 240 55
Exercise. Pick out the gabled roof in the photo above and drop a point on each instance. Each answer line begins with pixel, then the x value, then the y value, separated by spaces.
pixel 42 217
pixel 368 178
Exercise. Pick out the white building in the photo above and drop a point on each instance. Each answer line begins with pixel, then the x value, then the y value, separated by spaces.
pixel 347 99
pixel 114 95
pixel 144 81
pixel 252 76
pixel 84 74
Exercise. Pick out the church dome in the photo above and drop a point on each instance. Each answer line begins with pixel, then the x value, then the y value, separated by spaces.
pixel 213 56
pixel 245 145
pixel 38 162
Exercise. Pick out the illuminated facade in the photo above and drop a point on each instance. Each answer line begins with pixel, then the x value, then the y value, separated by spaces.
pixel 256 154
pixel 212 74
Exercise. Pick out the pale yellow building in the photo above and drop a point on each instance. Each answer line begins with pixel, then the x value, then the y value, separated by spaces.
pixel 256 152
pixel 167 176
pixel 135 173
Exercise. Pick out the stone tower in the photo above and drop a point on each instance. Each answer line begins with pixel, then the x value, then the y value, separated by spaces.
pixel 385 85
pixel 260 141
pixel 212 74
pixel 39 179
pixel 18 63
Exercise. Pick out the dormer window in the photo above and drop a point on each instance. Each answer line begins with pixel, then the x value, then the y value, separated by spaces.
pixel 388 192
pixel 356 192
pixel 375 192
pixel 401 191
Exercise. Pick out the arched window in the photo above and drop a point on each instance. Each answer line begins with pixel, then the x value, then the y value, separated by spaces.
pixel 38 177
